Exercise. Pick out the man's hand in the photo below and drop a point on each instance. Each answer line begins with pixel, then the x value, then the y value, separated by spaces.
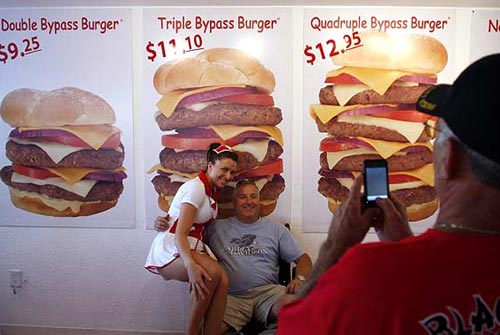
pixel 293 286
pixel 351 221
pixel 393 225
pixel 349 226
pixel 161 223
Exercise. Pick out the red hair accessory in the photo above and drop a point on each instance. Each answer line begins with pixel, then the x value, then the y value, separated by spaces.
pixel 222 148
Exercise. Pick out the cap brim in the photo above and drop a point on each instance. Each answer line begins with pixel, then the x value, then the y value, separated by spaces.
pixel 434 99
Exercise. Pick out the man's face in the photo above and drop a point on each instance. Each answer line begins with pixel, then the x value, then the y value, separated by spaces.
pixel 247 203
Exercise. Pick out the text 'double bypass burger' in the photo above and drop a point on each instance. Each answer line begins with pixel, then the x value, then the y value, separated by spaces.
pixel 368 110
pixel 221 95
pixel 66 154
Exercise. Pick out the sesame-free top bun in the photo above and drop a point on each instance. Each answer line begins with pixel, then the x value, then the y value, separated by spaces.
pixel 26 107
pixel 219 66
pixel 414 53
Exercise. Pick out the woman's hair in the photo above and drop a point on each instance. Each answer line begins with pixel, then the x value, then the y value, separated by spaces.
pixel 216 152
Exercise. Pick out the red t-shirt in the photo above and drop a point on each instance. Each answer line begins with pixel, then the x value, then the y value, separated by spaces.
pixel 435 283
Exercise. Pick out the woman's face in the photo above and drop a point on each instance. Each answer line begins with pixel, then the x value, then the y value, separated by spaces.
pixel 221 173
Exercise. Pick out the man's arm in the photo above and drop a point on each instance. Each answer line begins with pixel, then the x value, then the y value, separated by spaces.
pixel 349 226
pixel 303 266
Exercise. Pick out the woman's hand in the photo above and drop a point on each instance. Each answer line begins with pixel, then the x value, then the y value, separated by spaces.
pixel 197 276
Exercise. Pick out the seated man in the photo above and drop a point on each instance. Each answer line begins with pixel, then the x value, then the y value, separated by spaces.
pixel 249 248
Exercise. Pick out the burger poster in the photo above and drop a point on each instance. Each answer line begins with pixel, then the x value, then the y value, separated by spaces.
pixel 217 75
pixel 66 118
pixel 485 29
pixel 363 69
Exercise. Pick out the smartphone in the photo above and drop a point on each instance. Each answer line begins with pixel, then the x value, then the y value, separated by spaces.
pixel 376 180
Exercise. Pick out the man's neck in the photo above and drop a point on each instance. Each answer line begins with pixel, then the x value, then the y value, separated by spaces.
pixel 247 220
pixel 470 204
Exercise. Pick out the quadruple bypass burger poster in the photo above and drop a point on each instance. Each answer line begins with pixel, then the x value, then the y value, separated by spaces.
pixel 107 111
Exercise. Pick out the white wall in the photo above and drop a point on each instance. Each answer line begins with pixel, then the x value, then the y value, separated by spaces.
pixel 76 278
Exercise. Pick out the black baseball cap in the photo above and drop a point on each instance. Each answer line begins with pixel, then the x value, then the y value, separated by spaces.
pixel 471 106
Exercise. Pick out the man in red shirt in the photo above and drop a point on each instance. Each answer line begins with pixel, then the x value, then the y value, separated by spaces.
pixel 443 282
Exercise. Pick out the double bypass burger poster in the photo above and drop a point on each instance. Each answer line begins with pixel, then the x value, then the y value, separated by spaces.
pixel 100 122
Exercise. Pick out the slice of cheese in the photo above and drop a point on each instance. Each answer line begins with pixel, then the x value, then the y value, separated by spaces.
pixel 227 131
pixel 334 157
pixel 55 151
pixel 158 167
pixel 344 93
pixel 82 187
pixel 425 174
pixel 58 204
pixel 168 102
pixel 327 112
pixel 387 149
pixel 94 135
pixel 404 186
pixel 73 175
pixel 257 147
pixel 378 79
pixel 410 130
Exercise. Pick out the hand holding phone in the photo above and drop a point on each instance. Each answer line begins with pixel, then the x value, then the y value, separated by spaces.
pixel 375 181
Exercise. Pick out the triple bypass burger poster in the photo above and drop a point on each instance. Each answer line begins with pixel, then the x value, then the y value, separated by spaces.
pixel 137 127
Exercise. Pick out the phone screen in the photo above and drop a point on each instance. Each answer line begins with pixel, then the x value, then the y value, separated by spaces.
pixel 375 180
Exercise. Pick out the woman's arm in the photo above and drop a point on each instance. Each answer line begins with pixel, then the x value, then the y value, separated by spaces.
pixel 196 273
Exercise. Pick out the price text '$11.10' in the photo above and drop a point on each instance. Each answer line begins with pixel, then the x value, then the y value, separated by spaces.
pixel 163 48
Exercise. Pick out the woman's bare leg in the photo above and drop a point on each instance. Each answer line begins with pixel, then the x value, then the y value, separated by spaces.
pixel 212 307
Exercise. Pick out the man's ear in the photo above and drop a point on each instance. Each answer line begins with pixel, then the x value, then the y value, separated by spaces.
pixel 453 160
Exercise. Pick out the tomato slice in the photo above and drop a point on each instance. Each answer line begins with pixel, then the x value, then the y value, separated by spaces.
pixel 32 172
pixel 271 168
pixel 196 143
pixel 403 115
pixel 74 141
pixel 401 178
pixel 249 99
pixel 343 79
pixel 333 144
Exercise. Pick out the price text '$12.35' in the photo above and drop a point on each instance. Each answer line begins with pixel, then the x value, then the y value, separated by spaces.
pixel 329 48
pixel 12 50
pixel 163 48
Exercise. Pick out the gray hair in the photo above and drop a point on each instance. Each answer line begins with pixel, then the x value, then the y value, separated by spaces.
pixel 486 170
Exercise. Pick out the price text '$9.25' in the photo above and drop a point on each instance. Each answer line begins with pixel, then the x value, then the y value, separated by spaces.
pixel 12 50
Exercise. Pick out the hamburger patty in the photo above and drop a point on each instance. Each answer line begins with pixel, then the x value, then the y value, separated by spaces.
pixel 192 161
pixel 217 114
pixel 393 95
pixel 164 186
pixel 331 188
pixel 270 191
pixel 32 155
pixel 102 190
pixel 404 162
pixel 354 130
pixel 419 195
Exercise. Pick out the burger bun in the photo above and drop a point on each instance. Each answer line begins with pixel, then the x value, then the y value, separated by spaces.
pixel 213 67
pixel 413 53
pixel 26 107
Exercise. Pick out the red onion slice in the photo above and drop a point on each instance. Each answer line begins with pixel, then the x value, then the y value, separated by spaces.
pixel 215 94
pixel 107 176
